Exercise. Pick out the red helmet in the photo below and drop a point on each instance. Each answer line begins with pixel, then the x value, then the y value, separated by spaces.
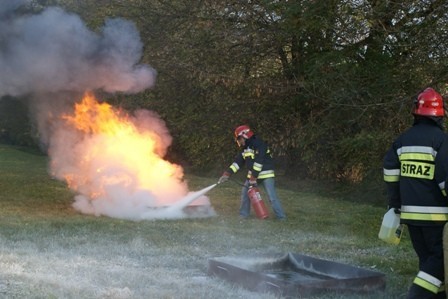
pixel 429 103
pixel 243 131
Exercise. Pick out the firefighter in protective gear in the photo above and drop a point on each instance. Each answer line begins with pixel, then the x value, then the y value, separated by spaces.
pixel 257 158
pixel 415 172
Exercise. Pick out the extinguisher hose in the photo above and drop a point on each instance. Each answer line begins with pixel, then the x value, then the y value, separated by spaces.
pixel 238 183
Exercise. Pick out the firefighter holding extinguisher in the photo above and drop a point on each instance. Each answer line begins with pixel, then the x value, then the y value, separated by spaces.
pixel 257 157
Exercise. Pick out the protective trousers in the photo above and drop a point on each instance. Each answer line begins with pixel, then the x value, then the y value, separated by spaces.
pixel 428 244
pixel 269 186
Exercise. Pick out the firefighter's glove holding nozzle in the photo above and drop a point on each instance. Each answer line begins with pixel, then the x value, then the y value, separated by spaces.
pixel 224 177
pixel 252 181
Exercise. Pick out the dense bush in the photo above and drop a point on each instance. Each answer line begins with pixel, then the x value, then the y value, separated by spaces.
pixel 15 125
pixel 327 83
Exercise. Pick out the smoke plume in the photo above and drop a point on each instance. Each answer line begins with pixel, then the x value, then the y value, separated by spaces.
pixel 52 58
pixel 54 51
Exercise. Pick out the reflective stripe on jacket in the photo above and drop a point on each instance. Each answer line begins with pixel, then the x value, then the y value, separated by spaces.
pixel 256 157
pixel 428 282
pixel 415 170
pixel 424 213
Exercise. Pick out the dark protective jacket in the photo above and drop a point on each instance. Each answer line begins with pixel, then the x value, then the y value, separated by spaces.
pixel 415 172
pixel 257 158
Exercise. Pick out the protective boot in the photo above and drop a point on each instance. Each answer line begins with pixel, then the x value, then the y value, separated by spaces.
pixel 417 292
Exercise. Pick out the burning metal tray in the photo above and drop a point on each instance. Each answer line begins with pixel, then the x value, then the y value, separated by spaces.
pixel 296 275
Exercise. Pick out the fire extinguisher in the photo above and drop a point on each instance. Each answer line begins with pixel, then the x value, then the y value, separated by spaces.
pixel 257 202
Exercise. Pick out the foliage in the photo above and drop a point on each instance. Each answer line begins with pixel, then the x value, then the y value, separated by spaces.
pixel 327 83
pixel 15 127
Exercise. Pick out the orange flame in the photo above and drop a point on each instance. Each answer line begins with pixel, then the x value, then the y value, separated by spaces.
pixel 112 150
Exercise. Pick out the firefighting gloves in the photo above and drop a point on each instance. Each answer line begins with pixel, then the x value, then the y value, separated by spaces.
pixel 224 177
pixel 252 181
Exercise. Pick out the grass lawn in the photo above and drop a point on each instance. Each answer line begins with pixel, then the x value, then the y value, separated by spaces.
pixel 49 250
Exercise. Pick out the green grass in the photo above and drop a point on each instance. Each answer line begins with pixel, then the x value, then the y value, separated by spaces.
pixel 49 250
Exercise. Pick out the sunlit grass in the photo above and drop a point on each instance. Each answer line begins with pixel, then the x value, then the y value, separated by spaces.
pixel 48 250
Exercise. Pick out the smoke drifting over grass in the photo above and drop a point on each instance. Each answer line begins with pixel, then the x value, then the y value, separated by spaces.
pixel 51 58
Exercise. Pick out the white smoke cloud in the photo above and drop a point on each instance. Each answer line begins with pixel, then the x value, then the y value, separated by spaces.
pixel 52 58
pixel 54 51
pixel 146 120
pixel 8 6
